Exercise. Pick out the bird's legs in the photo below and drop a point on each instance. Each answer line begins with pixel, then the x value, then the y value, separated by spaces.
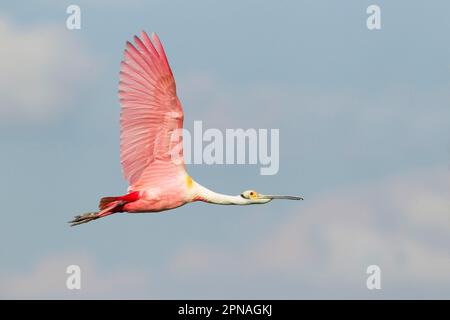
pixel 88 217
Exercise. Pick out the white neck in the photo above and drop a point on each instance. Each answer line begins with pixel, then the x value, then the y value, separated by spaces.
pixel 204 194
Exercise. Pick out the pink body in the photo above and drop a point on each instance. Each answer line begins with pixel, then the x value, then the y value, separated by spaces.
pixel 172 194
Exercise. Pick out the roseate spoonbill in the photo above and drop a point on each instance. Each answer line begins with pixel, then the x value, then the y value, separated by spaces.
pixel 150 114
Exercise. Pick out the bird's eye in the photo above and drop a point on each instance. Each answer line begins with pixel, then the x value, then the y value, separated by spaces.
pixel 252 193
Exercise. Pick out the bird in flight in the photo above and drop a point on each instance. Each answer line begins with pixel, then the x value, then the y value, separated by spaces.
pixel 151 158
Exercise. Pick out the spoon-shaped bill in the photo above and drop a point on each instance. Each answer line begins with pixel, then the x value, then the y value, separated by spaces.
pixel 280 197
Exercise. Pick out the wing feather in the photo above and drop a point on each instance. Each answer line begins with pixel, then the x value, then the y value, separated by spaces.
pixel 150 113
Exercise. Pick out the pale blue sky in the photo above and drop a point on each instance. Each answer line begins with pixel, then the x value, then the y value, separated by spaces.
pixel 363 118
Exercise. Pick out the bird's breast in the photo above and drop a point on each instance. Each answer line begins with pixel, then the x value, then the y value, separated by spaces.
pixel 155 200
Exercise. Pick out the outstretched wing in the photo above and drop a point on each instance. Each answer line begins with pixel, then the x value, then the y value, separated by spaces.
pixel 151 116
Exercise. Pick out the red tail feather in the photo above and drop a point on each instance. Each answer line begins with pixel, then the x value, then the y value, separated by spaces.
pixel 130 197
pixel 104 202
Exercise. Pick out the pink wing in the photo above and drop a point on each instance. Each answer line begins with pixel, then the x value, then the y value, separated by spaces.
pixel 151 114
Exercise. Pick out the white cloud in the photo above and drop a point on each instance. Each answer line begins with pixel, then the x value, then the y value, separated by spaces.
pixel 47 280
pixel 400 223
pixel 43 68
